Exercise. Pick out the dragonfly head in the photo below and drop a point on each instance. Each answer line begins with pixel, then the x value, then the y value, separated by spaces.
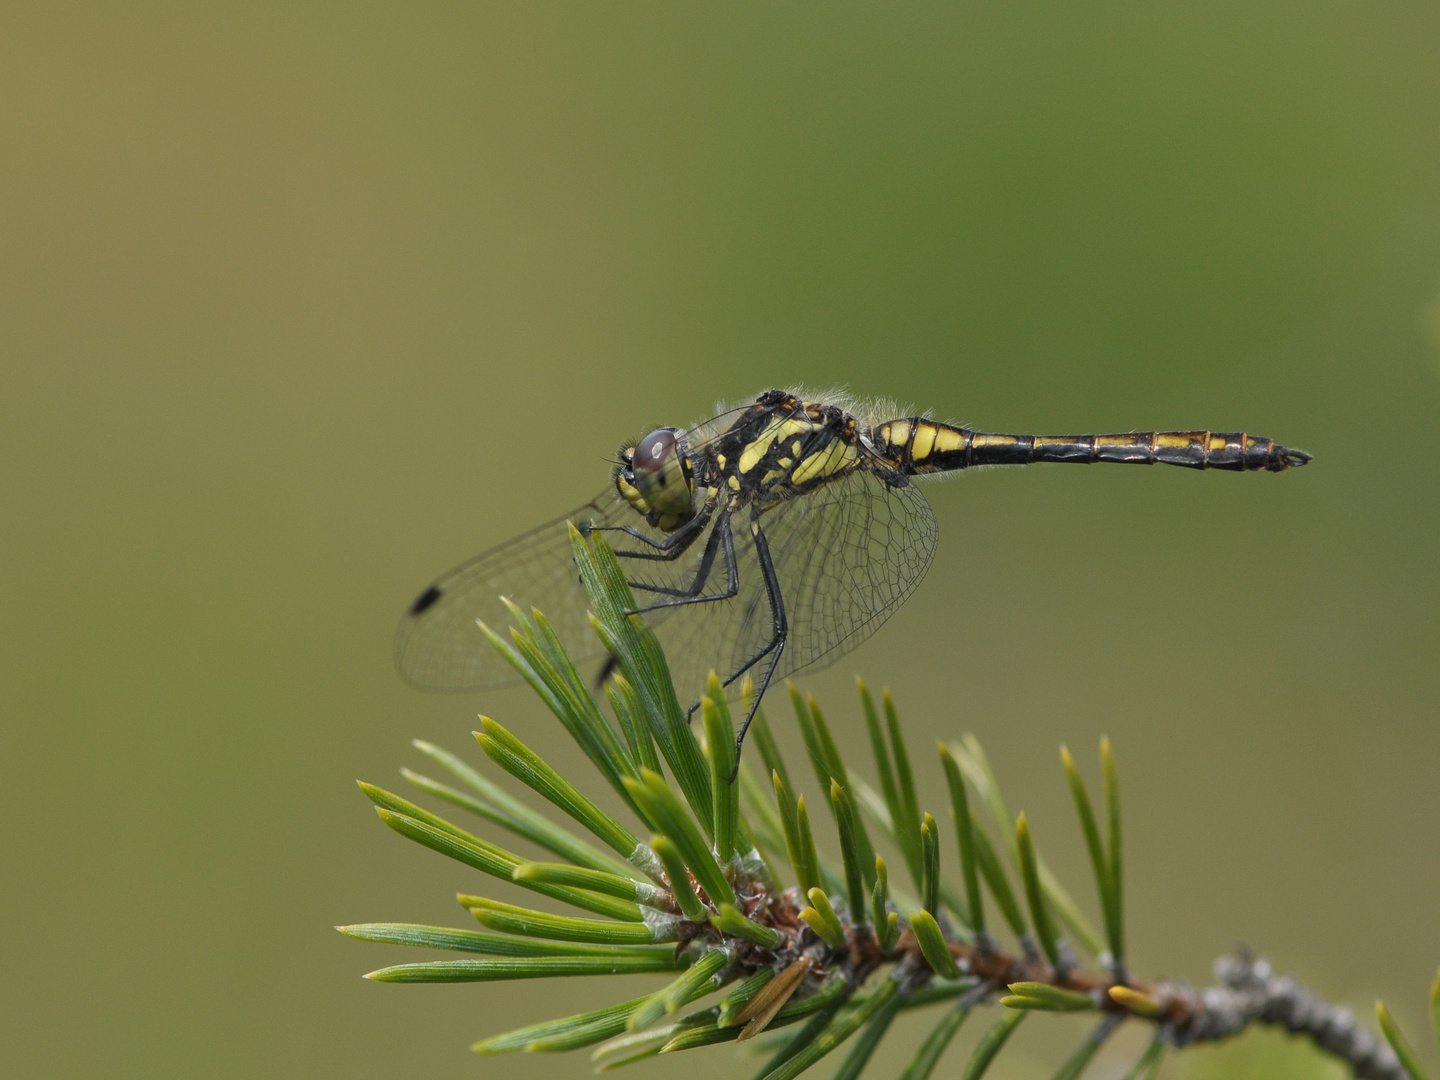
pixel 654 477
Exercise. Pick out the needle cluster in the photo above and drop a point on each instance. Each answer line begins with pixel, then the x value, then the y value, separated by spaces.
pixel 724 893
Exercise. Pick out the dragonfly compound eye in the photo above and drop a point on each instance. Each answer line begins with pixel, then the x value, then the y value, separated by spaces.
pixel 659 475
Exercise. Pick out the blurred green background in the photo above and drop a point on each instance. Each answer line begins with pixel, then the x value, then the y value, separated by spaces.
pixel 299 307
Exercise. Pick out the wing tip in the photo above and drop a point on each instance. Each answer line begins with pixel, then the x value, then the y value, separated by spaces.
pixel 425 601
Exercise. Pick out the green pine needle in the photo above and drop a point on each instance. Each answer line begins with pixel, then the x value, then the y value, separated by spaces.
pixel 909 823
pixel 1099 860
pixel 626 888
pixel 846 826
pixel 497 862
pixel 906 839
pixel 820 916
pixel 1030 874
pixel 990 1044
pixel 1047 997
pixel 543 967
pixel 763 739
pixel 1148 1064
pixel 678 878
pixel 498 805
pixel 441 937
pixel 1115 914
pixel 702 977
pixel 811 856
pixel 887 923
pixel 629 710
pixel 535 773
pixel 874 1030
pixel 835 1033
pixel 1075 1064
pixel 800 846
pixel 1401 1045
pixel 965 833
pixel 729 920
pixel 725 792
pixel 933 945
pixel 566 1033
pixel 1435 1009
pixel 930 864
pixel 928 1055
pixel 518 920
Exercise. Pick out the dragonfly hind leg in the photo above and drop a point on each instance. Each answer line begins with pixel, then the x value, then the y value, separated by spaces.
pixel 780 631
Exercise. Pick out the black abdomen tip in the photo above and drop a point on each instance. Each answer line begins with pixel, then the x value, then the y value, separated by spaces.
pixel 1291 459
pixel 425 600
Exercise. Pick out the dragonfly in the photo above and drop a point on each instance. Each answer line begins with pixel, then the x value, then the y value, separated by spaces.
pixel 776 536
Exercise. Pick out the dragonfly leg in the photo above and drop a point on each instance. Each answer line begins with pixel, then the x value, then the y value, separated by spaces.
pixel 669 548
pixel 780 632
pixel 720 537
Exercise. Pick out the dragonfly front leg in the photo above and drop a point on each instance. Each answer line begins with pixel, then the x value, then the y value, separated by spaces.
pixel 720 538
pixel 668 548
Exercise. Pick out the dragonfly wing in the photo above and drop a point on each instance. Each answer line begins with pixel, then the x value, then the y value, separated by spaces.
pixel 846 555
pixel 438 645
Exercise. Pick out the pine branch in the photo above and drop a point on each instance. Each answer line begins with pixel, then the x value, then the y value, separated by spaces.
pixel 842 952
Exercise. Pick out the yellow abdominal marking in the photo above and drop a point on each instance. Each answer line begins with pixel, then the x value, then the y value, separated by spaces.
pixel 993 440
pixel 948 440
pixel 924 442
pixel 1172 442
pixel 1217 442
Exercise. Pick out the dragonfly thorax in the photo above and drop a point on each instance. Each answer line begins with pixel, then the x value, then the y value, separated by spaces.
pixel 655 478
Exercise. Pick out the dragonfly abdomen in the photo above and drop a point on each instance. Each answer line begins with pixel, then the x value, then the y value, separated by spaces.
pixel 920 446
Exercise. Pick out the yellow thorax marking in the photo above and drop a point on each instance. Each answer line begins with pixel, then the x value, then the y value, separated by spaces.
pixel 777 431
pixel 834 458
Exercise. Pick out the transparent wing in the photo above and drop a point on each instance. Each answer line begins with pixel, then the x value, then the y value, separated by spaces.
pixel 438 645
pixel 846 556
